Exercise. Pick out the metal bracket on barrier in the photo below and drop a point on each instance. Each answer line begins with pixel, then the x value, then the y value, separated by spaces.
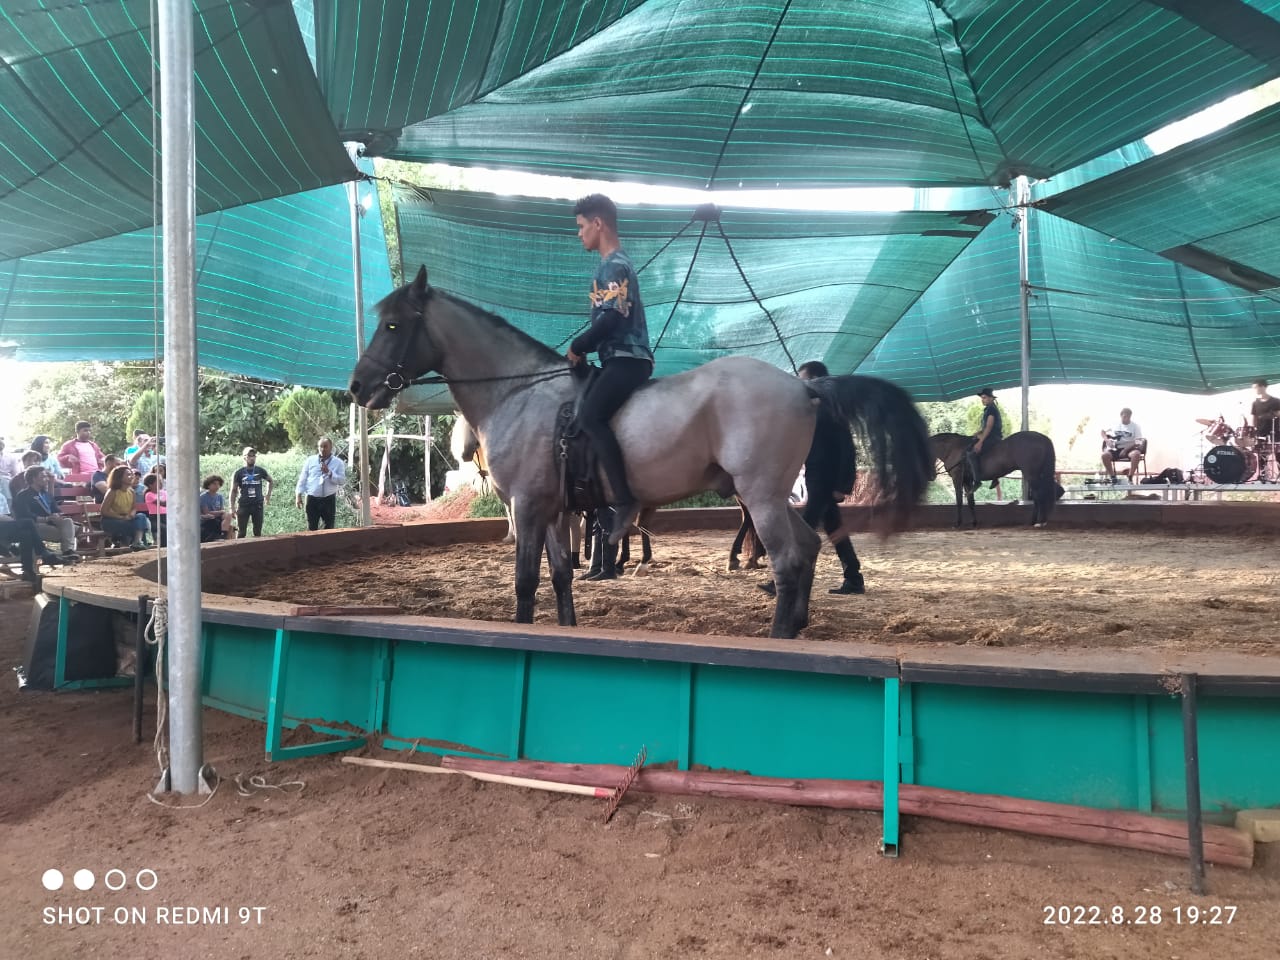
pixel 206 782
pixel 275 713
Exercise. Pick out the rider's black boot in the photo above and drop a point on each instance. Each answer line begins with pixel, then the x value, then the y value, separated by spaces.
pixel 853 582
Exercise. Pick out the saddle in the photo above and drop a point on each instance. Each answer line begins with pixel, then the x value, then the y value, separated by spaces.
pixel 580 486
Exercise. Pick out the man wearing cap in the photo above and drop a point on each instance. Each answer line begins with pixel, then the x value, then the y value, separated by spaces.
pixel 990 430
pixel 250 492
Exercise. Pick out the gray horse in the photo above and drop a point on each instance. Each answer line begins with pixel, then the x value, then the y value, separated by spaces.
pixel 734 425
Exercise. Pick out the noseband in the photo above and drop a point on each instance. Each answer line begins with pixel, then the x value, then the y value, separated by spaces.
pixel 395 381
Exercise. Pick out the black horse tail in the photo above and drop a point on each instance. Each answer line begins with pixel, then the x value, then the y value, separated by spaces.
pixel 894 433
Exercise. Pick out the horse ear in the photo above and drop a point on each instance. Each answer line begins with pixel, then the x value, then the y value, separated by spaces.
pixel 419 286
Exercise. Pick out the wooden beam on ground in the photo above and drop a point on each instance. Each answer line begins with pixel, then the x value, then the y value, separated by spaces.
pixel 1118 828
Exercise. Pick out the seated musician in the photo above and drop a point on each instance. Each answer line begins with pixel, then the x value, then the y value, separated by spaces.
pixel 1123 442
pixel 1265 411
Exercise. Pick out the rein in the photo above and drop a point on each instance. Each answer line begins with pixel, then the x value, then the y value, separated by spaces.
pixel 422 381
pixel 395 381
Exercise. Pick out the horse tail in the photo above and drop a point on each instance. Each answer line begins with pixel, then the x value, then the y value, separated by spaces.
pixel 895 434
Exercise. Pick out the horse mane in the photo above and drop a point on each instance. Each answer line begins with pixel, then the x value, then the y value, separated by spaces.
pixel 502 326
pixel 396 300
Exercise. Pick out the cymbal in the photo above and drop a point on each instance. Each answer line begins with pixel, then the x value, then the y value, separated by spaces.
pixel 1205 423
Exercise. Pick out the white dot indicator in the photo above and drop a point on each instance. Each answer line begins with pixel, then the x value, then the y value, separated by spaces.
pixel 115 879
pixel 52 879
pixel 146 879
pixel 83 879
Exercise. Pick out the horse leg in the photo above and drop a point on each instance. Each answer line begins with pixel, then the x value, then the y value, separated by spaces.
pixel 561 569
pixel 574 523
pixel 624 553
pixel 793 550
pixel 531 535
pixel 743 527
pixel 956 481
pixel 646 544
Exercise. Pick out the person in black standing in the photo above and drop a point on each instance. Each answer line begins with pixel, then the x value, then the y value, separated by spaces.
pixel 990 430
pixel 250 492
pixel 830 470
pixel 1265 410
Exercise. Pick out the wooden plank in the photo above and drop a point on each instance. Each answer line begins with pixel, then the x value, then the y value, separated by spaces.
pixel 339 610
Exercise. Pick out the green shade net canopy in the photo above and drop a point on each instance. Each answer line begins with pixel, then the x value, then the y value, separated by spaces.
pixel 828 285
pixel 275 292
pixel 1101 311
pixel 1211 204
pixel 781 92
pixel 76 117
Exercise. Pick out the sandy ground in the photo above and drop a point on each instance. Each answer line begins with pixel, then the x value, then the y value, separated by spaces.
pixel 1015 587
pixel 361 863
pixel 375 864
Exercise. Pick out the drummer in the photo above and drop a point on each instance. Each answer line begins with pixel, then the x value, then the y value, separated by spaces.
pixel 1265 410
pixel 1125 442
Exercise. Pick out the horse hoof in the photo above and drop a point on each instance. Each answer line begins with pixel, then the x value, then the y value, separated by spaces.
pixel 752 565
pixel 641 571
pixel 733 563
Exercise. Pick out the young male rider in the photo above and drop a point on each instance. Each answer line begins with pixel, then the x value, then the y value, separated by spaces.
pixel 619 334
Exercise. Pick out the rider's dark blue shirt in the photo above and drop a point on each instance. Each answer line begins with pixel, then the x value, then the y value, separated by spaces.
pixel 618 327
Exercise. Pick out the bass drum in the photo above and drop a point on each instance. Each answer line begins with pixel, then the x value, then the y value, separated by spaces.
pixel 1227 464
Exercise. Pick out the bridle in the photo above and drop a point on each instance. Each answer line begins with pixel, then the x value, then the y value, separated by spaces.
pixel 395 381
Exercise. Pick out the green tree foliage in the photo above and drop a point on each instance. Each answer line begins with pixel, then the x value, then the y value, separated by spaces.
pixel 235 413
pixel 307 415
pixel 79 391
pixel 147 414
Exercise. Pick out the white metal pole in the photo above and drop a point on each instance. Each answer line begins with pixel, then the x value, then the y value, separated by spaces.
pixel 1024 287
pixel 181 420
pixel 426 459
pixel 362 415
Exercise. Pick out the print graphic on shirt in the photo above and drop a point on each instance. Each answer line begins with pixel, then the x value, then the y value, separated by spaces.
pixel 614 296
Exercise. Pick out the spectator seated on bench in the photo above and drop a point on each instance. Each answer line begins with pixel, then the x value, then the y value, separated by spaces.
pixel 36 504
pixel 120 517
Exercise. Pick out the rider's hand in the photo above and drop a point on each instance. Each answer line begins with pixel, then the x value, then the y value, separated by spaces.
pixel 574 358
pixel 977 447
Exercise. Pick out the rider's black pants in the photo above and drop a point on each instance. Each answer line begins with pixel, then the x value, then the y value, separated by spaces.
pixel 618 379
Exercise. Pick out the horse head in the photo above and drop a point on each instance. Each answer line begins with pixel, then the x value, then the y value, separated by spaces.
pixel 401 348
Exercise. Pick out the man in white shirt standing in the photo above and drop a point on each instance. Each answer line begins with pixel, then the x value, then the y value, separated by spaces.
pixel 1123 442
pixel 322 477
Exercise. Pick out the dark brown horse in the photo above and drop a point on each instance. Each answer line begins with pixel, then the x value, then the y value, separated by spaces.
pixel 1027 451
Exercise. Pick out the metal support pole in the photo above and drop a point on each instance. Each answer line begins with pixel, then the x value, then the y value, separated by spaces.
pixel 356 150
pixel 1191 763
pixel 181 421
pixel 426 459
pixel 1024 287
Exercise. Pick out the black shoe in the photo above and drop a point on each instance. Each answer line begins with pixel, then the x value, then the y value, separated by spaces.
pixel 70 557
pixel 852 584
pixel 51 560
pixel 769 588
pixel 624 515
pixel 135 547
pixel 602 575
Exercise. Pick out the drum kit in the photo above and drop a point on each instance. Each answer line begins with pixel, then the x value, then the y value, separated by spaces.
pixel 1240 455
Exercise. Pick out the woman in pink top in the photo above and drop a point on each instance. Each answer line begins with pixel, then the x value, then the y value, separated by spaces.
pixel 157 500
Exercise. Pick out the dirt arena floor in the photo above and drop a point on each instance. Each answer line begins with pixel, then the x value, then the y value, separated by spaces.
pixel 1016 587
pixel 362 864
